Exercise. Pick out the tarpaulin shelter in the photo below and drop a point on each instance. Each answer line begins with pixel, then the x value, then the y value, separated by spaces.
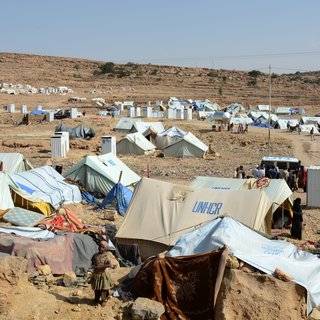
pixel 258 251
pixel 48 185
pixel 12 195
pixel 160 212
pixel 79 132
pixel 187 287
pixel 66 252
pixel 101 173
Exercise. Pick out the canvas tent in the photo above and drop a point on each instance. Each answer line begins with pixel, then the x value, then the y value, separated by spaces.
pixel 48 185
pixel 277 190
pixel 14 162
pixel 135 144
pixel 143 127
pixel 125 124
pixel 160 212
pixel 169 137
pixel 256 250
pixel 101 173
pixel 188 146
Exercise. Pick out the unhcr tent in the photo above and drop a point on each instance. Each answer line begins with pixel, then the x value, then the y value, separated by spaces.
pixel 188 146
pixel 135 144
pixel 277 190
pixel 119 196
pixel 14 162
pixel 48 185
pixel 169 137
pixel 160 212
pixel 101 173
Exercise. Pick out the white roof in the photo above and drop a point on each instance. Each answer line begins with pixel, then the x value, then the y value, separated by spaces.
pixel 173 132
pixel 126 124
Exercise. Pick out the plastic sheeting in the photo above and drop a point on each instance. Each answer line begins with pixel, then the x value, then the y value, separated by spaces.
pixel 256 250
pixel 120 195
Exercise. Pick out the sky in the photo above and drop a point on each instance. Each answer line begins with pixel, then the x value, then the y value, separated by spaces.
pixel 281 36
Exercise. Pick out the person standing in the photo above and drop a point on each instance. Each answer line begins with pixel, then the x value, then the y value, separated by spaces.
pixel 312 133
pixel 101 281
pixel 296 228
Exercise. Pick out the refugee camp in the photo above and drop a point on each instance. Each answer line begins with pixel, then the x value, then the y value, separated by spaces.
pixel 151 172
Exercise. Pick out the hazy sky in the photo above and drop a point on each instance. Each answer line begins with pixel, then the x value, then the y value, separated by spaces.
pixel 225 34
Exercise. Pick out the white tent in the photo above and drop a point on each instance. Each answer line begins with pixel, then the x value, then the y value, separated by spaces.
pixel 235 108
pixel 135 144
pixel 101 173
pixel 188 146
pixel 126 124
pixel 169 137
pixel 160 212
pixel 14 162
pixel 263 107
pixel 143 127
pixel 241 119
pixel 310 120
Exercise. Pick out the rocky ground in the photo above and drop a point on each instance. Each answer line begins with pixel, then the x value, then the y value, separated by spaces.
pixel 20 299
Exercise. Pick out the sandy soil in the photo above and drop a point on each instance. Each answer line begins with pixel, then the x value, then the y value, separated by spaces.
pixel 25 301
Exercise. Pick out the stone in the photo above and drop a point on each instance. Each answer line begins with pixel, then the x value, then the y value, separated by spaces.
pixel 44 269
pixel 232 262
pixel 146 309
pixel 69 279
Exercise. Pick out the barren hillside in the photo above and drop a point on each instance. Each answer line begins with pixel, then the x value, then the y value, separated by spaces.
pixel 143 83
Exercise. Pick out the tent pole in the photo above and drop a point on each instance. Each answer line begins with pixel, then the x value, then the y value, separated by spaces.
pixel 282 216
pixel 120 176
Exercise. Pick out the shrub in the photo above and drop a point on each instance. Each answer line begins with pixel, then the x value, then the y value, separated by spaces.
pixel 108 67
pixel 212 74
pixel 254 73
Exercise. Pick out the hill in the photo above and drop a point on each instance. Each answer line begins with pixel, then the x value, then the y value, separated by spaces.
pixel 141 82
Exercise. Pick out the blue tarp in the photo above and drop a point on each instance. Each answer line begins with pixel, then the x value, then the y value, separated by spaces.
pixel 38 112
pixel 120 195
pixel 197 105
pixel 25 188
pixel 261 125
pixel 89 198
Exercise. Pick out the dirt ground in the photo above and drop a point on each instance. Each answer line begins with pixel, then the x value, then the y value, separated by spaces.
pixel 25 301
pixel 231 150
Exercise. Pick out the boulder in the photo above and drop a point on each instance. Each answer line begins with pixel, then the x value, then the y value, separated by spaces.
pixel 44 269
pixel 69 279
pixel 146 309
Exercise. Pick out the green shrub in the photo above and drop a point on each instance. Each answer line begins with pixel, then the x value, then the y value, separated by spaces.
pixel 254 73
